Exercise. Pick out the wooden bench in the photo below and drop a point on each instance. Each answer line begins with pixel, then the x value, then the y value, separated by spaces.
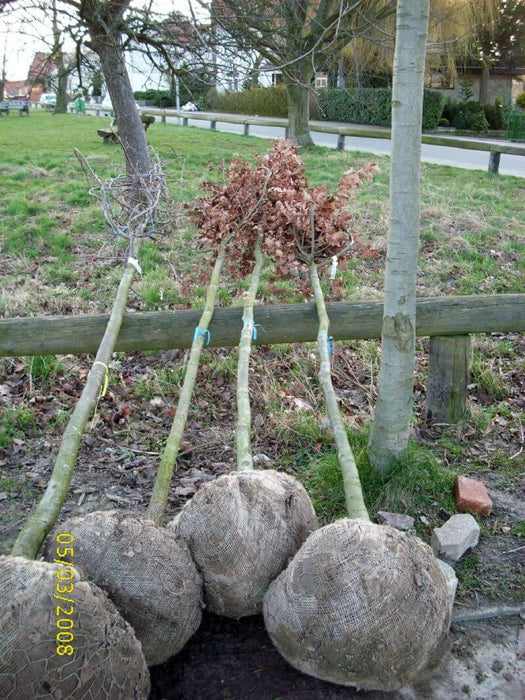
pixel 110 135
pixel 21 105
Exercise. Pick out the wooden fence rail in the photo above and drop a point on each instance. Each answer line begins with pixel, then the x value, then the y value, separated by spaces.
pixel 281 323
pixel 494 150
pixel 448 320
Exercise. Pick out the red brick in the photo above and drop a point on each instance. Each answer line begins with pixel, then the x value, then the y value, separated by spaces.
pixel 472 496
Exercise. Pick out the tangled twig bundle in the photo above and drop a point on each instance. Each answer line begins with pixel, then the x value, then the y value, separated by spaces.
pixel 135 205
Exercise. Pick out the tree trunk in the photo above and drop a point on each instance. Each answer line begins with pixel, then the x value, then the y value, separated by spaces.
pixel 298 88
pixel 484 85
pixel 391 426
pixel 104 22
pixel 340 73
pixel 62 97
pixel 58 55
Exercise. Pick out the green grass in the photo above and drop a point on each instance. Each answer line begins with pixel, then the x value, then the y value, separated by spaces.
pixel 13 423
pixel 465 215
pixel 43 371
pixel 419 483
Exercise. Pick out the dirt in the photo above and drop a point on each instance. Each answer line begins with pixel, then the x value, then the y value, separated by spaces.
pixel 229 660
pixel 117 466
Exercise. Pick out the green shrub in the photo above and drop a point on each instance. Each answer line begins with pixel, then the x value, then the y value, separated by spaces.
pixel 469 115
pixel 520 100
pixel 433 102
pixel 265 102
pixel 373 106
pixel 495 115
pixel 156 98
pixel 443 122
pixel 479 121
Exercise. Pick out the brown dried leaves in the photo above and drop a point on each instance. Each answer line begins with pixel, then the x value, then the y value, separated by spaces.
pixel 298 224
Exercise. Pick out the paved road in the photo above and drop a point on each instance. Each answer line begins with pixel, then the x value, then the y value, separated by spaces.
pixel 442 155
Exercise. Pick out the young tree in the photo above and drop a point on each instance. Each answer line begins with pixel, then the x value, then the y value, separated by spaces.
pixel 391 426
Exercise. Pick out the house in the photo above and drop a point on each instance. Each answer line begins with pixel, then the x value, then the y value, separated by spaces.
pixel 16 88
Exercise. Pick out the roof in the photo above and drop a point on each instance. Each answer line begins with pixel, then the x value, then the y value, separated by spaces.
pixel 41 68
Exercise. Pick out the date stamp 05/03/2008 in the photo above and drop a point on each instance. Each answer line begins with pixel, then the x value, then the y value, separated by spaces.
pixel 64 595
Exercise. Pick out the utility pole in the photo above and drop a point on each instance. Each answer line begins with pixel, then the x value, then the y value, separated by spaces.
pixel 2 79
pixel 177 88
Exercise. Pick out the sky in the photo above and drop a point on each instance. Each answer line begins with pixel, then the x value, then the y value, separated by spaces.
pixel 19 36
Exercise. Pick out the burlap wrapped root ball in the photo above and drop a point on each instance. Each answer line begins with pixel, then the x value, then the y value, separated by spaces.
pixel 107 661
pixel 147 572
pixel 360 605
pixel 242 530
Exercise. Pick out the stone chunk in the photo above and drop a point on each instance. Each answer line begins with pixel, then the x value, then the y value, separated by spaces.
pixel 459 533
pixel 451 579
pixel 472 496
pixel 400 522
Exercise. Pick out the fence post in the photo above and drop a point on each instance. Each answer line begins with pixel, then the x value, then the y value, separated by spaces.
pixel 340 142
pixel 494 162
pixel 213 125
pixel 449 365
pixel 163 117
pixel 286 132
pixel 184 121
pixel 246 129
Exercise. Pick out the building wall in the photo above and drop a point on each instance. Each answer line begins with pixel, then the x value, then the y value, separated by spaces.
pixel 499 86
pixel 142 74
pixel 518 86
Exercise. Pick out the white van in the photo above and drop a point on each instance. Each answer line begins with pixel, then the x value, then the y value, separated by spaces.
pixel 48 99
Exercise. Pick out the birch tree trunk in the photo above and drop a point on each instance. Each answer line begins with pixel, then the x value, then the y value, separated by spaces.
pixel 391 425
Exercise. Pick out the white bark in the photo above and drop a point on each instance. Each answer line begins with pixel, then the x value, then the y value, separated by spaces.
pixel 391 426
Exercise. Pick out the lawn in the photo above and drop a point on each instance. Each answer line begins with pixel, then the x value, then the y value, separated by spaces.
pixel 57 258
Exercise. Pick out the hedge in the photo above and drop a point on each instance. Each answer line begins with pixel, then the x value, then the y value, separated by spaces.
pixel 356 105
pixel 372 106
pixel 265 102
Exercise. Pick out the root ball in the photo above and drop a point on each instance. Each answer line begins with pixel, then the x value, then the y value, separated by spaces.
pixel 147 572
pixel 242 530
pixel 360 605
pixel 107 662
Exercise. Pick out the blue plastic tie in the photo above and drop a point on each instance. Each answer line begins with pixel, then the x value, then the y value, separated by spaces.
pixel 206 334
pixel 329 342
pixel 255 326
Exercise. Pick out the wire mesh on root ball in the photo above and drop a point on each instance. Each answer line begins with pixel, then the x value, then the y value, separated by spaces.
pixel 360 605
pixel 101 659
pixel 149 575
pixel 242 530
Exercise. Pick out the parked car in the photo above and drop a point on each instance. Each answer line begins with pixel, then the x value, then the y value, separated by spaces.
pixel 48 99
pixel 190 107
